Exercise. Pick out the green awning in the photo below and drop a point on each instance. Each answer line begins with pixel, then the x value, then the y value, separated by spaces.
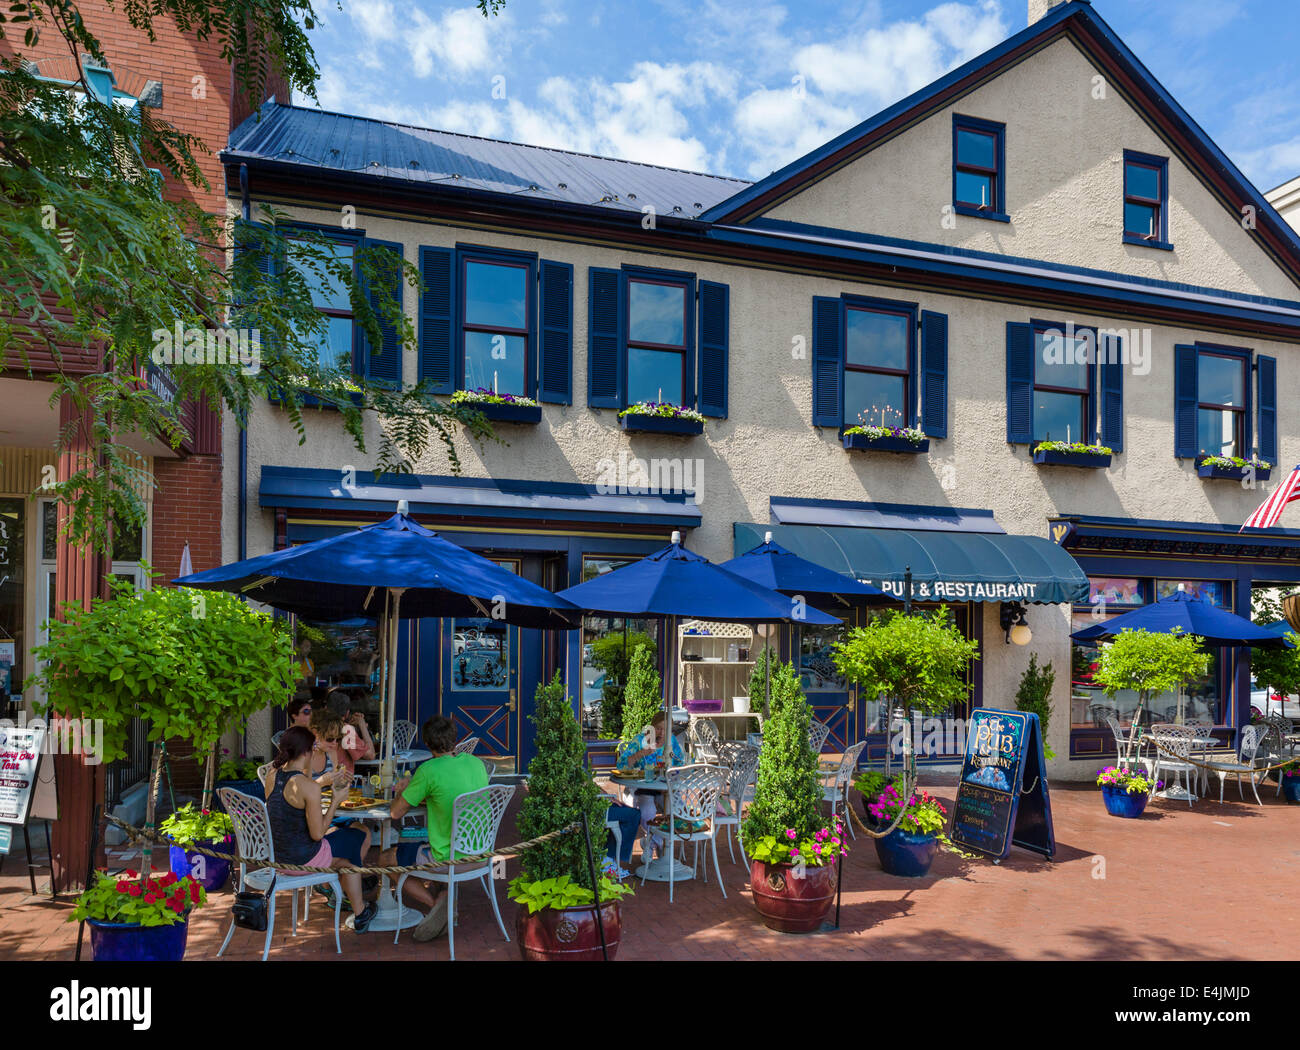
pixel 946 565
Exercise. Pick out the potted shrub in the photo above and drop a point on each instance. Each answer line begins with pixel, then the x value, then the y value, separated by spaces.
pixel 793 850
pixel 132 921
pixel 238 772
pixel 909 849
pixel 557 917
pixel 502 408
pixel 613 654
pixel 1124 791
pixel 1290 774
pixel 1148 663
pixel 661 417
pixel 871 784
pixel 868 438
pixel 188 663
pixel 189 827
pixel 1233 468
pixel 1071 454
pixel 1034 695
pixel 643 698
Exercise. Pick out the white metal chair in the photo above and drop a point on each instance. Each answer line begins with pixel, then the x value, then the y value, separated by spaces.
pixel 692 797
pixel 1173 749
pixel 741 763
pixel 1275 746
pixel 817 734
pixel 838 792
pixel 475 820
pixel 403 734
pixel 275 739
pixel 1122 754
pixel 1245 762
pixel 466 746
pixel 253 836
pixel 703 740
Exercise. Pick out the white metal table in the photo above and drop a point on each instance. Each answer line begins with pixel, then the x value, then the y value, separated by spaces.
pixel 654 870
pixel 386 918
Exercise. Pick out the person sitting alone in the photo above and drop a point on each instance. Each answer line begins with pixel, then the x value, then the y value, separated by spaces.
pixel 435 784
pixel 300 828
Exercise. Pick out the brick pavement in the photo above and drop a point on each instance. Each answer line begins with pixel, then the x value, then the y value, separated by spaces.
pixel 1229 867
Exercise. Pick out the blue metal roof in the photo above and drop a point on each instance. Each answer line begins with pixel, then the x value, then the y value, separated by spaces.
pixel 336 142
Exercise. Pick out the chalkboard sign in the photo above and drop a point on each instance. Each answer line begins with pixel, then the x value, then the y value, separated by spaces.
pixel 1002 798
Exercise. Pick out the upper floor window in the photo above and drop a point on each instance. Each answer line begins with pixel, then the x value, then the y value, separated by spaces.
pixel 657 335
pixel 1146 200
pixel 1221 407
pixel 1218 410
pixel 1063 384
pixel 496 326
pixel 978 169
pixel 329 295
pixel 869 368
pixel 656 341
pixel 879 362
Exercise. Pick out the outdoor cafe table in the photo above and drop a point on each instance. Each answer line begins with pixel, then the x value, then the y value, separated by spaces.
pixel 653 870
pixel 410 756
pixel 386 918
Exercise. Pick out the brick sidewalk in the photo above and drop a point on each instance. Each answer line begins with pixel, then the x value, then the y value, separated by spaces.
pixel 1228 868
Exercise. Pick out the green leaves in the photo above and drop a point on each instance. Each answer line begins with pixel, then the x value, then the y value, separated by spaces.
pixel 643 698
pixel 561 892
pixel 188 825
pixel 788 792
pixel 1150 662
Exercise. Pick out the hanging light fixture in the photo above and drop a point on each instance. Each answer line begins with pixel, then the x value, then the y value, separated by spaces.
pixel 1011 618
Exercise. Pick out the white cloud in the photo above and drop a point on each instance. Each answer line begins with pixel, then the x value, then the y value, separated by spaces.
pixel 459 42
pixel 778 126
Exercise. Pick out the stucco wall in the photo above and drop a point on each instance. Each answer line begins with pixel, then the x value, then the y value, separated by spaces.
pixel 769 447
pixel 1064 185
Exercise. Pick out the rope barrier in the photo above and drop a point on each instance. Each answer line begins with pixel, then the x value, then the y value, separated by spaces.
pixel 1212 766
pixel 518 849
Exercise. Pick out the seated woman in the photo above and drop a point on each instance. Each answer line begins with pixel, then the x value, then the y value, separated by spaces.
pixel 300 829
pixel 329 752
pixel 637 754
pixel 356 734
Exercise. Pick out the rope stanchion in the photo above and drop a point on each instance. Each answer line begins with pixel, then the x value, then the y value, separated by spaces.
pixel 518 849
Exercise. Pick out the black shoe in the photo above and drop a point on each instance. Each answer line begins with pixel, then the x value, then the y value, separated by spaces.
pixel 360 922
pixel 328 893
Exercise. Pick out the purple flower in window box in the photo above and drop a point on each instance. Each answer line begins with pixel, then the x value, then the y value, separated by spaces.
pixel 1071 454
pixel 502 408
pixel 661 417
pixel 1233 468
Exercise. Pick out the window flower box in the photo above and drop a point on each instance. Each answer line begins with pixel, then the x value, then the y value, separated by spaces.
pixel 278 396
pixel 1061 454
pixel 654 417
pixel 1232 468
pixel 907 440
pixel 500 408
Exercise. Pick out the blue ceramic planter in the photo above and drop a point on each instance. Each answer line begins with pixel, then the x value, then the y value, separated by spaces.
pixel 129 942
pixel 1291 788
pixel 1121 803
pixel 214 870
pixel 905 854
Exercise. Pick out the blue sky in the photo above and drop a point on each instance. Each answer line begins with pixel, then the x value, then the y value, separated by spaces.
pixel 741 87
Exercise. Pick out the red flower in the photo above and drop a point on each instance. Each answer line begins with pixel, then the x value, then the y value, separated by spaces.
pixel 177 907
pixel 194 893
pixel 134 891
pixel 206 812
pixel 132 874
pixel 122 887
pixel 168 879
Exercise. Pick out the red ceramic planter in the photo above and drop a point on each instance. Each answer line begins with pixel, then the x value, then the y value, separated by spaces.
pixel 790 905
pixel 560 934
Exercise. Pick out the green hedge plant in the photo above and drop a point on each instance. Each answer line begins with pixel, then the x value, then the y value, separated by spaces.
pixel 1034 695
pixel 643 698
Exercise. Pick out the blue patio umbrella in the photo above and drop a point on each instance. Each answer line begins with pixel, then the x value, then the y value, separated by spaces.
pixel 774 567
pixel 1180 611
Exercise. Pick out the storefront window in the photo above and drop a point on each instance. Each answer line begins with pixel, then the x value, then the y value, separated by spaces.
pixel 817 670
pixel 1214 591
pixel 342 656
pixel 12 637
pixel 1116 590
pixel 607 646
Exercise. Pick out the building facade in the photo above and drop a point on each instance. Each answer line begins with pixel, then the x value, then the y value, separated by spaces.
pixel 1041 246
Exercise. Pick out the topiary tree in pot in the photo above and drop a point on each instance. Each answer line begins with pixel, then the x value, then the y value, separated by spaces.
pixel 557 914
pixel 190 664
pixel 1149 663
pixel 1034 695
pixel 793 849
pixel 643 698
pixel 613 654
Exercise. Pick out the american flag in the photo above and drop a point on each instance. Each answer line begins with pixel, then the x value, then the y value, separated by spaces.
pixel 1271 509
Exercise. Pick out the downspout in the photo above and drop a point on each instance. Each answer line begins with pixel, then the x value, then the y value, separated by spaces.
pixel 246 209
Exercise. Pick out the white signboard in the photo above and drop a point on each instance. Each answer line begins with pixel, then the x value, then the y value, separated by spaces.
pixel 20 757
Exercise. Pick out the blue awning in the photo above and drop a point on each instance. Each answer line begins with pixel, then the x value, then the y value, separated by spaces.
pixel 946 565
pixel 314 488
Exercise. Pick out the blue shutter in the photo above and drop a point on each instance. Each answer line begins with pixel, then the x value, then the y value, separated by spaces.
pixel 714 322
pixel 1185 401
pixel 605 338
pixel 1020 383
pixel 934 373
pixel 1267 401
pixel 437 331
pixel 250 247
pixel 1111 349
pixel 828 362
pixel 556 349
pixel 383 363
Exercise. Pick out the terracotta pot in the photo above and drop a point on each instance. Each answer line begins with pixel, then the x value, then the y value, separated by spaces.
pixel 559 934
pixel 790 905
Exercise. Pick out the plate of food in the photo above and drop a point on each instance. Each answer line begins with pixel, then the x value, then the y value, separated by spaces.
pixel 627 774
pixel 361 803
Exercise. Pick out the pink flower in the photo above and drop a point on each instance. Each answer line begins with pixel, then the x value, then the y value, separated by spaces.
pixel 789 833
pixel 794 851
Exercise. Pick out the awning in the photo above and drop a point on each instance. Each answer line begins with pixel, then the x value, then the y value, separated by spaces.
pixel 952 566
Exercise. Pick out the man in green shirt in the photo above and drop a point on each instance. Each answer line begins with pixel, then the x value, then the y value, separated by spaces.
pixel 435 784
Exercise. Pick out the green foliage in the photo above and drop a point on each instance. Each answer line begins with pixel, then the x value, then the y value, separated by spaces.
pixel 758 677
pixel 560 790
pixel 188 825
pixel 871 782
pixel 923 814
pixel 1035 695
pixel 97 251
pixel 1277 670
pixel 643 698
pixel 788 793
pixel 561 892
pixel 1149 662
pixel 1132 781
pixel 241 768
pixel 159 901
pixel 813 851
pixel 919 661
pixel 188 663
pixel 612 654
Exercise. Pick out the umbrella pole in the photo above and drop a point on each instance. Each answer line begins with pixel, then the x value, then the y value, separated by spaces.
pixel 386 768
